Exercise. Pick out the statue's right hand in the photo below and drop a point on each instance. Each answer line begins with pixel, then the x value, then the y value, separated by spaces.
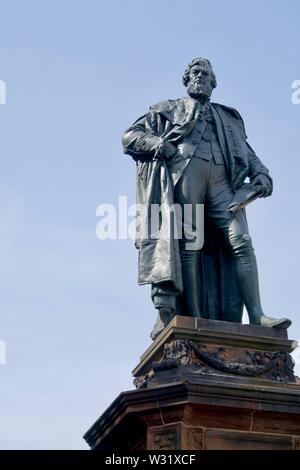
pixel 166 149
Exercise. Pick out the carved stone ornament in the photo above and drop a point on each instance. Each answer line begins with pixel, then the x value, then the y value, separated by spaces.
pixel 209 359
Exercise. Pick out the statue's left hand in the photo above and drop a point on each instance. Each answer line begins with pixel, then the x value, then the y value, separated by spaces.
pixel 264 185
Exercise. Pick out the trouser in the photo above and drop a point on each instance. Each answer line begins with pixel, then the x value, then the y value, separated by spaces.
pixel 205 182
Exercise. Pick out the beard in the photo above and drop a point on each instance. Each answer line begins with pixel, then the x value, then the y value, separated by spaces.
pixel 199 91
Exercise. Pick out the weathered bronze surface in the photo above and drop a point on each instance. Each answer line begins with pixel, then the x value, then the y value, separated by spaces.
pixel 191 151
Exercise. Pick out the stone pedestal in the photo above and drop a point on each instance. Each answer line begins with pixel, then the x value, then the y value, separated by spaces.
pixel 207 385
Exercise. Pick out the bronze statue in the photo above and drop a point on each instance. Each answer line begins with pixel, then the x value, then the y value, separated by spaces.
pixel 190 151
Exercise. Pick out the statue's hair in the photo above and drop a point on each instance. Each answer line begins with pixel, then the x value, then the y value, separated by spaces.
pixel 199 61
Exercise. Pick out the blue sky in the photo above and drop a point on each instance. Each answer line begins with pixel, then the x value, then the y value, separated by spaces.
pixel 77 74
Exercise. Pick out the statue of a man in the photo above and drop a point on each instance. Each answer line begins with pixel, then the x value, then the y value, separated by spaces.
pixel 190 151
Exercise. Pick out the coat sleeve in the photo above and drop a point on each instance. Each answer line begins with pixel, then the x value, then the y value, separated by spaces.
pixel 139 140
pixel 256 166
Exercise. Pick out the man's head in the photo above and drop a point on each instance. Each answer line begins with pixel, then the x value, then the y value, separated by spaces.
pixel 199 78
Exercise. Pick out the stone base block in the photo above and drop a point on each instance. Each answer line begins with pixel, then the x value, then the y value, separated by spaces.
pixel 207 385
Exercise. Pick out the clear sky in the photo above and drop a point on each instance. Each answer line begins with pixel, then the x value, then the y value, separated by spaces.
pixel 78 72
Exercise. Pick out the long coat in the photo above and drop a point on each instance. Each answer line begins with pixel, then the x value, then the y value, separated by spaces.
pixel 159 258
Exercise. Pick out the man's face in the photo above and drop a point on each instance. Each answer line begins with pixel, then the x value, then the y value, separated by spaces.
pixel 199 85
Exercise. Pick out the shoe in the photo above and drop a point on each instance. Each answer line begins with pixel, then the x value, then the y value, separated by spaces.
pixel 164 317
pixel 281 323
